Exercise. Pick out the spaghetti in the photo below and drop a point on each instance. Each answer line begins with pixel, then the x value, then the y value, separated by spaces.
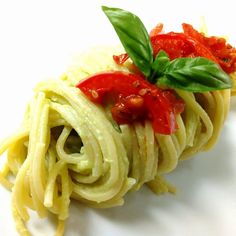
pixel 67 147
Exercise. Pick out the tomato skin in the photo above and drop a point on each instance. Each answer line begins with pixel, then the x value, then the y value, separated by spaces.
pixel 191 32
pixel 97 86
pixel 135 99
pixel 224 53
pixel 178 45
pixel 156 30
pixel 174 44
pixel 120 59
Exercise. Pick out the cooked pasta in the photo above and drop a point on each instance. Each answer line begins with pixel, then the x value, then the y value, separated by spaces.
pixel 67 146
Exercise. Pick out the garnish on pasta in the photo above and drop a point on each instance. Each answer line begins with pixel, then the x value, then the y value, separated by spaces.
pixel 118 120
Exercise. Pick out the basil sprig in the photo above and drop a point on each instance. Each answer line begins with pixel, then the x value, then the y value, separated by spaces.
pixel 191 74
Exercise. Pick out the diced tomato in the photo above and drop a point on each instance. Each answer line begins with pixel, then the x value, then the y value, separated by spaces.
pixel 174 44
pixel 120 59
pixel 224 53
pixel 129 109
pixel 135 99
pixel 191 32
pixel 156 30
pixel 179 45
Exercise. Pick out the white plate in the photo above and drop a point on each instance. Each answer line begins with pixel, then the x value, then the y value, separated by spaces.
pixel 36 41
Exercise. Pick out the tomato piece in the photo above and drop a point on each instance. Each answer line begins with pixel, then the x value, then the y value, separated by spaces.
pixel 129 109
pixel 179 45
pixel 191 32
pixel 224 53
pixel 174 44
pixel 156 30
pixel 135 99
pixel 120 59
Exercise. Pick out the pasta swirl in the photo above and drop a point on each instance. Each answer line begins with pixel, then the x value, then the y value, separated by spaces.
pixel 68 148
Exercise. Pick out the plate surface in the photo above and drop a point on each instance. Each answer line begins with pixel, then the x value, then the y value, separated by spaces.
pixel 37 40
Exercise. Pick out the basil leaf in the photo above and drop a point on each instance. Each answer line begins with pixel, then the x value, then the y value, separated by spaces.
pixel 133 36
pixel 195 74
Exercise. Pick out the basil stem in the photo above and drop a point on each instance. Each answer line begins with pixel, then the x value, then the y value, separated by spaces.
pixel 158 66
pixel 133 36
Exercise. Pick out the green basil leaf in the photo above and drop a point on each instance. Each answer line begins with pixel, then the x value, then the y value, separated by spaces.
pixel 133 36
pixel 195 74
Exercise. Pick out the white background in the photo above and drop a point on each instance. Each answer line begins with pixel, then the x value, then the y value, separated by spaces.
pixel 37 40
